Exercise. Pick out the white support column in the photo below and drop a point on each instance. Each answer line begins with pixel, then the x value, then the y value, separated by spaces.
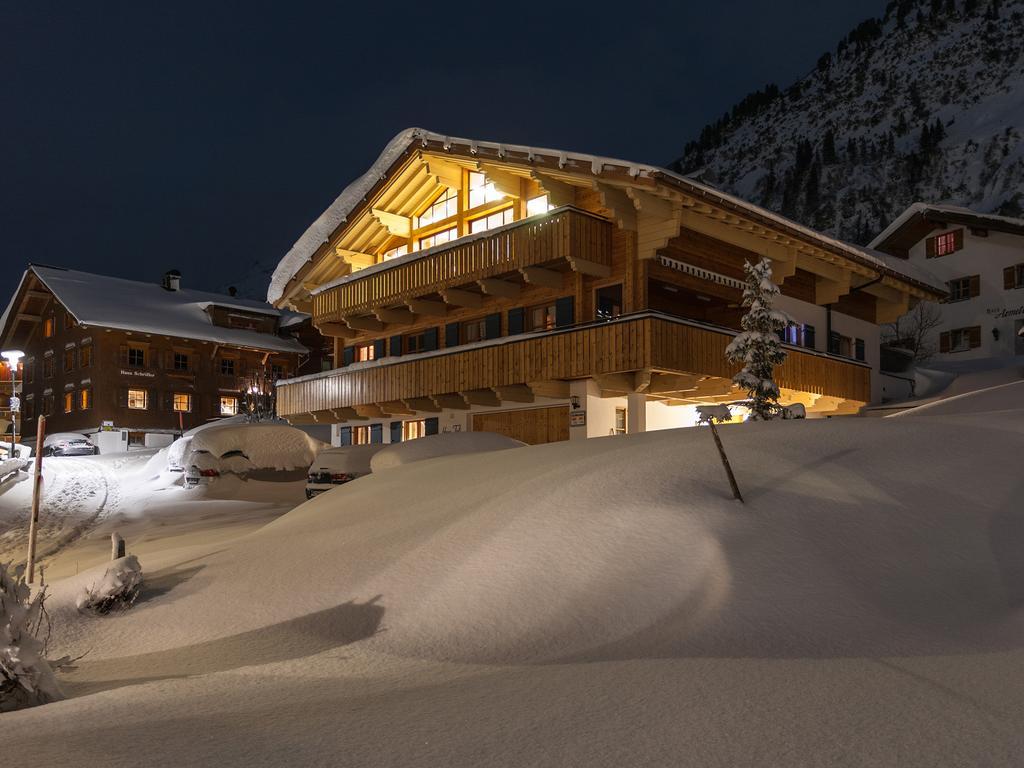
pixel 636 413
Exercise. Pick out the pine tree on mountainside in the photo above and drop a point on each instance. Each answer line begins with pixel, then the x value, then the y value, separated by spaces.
pixel 758 347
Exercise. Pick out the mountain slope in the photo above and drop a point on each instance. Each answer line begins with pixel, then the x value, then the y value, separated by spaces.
pixel 926 103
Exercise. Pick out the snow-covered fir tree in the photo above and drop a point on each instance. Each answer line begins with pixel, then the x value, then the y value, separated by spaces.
pixel 26 678
pixel 759 347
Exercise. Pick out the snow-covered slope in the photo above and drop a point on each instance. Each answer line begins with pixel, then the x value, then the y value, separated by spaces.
pixel 598 603
pixel 926 103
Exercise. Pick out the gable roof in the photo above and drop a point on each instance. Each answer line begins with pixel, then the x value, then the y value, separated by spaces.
pixel 130 305
pixel 920 219
pixel 357 195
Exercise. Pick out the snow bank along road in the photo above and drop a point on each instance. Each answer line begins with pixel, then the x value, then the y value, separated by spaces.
pixel 77 493
pixel 602 603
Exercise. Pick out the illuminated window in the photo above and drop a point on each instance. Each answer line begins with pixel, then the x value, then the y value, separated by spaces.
pixel 69 359
pixel 137 399
pixel 182 402
pixel 484 223
pixel 945 244
pixel 227 366
pixel 540 318
pixel 361 436
pixel 482 191
pixel 85 399
pixel 229 406
pixel 620 422
pixel 444 207
pixel 365 353
pixel 69 402
pixel 48 328
pixel 474 330
pixel 413 429
pixel 537 205
pixel 438 238
pixel 394 253
pixel 136 357
pixel 85 358
pixel 181 361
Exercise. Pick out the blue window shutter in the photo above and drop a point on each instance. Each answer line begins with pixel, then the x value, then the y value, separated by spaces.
pixel 492 326
pixel 345 435
pixel 396 431
pixel 833 343
pixel 430 340
pixel 564 311
pixel 376 433
pixel 379 349
pixel 860 349
pixel 809 336
pixel 451 335
pixel 516 320
pixel 348 356
pixel 396 346
pixel 430 426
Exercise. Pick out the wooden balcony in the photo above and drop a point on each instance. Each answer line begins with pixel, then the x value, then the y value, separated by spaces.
pixel 566 234
pixel 676 351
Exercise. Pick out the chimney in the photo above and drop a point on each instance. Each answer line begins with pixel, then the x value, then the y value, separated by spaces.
pixel 172 280
pixel 232 291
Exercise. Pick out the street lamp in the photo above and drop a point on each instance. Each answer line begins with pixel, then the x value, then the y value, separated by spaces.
pixel 13 357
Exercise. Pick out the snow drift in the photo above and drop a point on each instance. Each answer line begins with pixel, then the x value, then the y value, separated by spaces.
pixel 436 446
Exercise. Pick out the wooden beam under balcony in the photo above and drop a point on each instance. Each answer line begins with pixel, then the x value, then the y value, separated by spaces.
pixel 503 288
pixel 546 278
pixel 396 224
pixel 397 408
pixel 557 390
pixel 451 400
pixel 396 316
pixel 336 330
pixel 422 404
pixel 460 298
pixel 592 268
pixel 515 393
pixel 371 410
pixel 481 397
pixel 364 323
pixel 427 307
pixel 347 414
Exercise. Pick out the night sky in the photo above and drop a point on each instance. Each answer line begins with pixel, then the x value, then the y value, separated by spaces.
pixel 136 137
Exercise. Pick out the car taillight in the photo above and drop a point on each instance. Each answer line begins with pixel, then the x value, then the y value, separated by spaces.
pixel 209 473
pixel 340 477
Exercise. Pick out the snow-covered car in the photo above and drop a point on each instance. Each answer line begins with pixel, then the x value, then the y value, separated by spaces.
pixel 337 466
pixel 256 451
pixel 437 446
pixel 203 467
pixel 68 444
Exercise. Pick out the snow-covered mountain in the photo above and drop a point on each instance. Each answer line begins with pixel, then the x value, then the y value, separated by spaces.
pixel 926 103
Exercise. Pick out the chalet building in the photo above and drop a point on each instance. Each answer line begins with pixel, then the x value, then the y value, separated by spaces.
pixel 980 257
pixel 550 295
pixel 140 362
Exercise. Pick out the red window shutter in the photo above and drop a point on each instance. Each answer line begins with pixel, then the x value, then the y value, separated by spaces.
pixel 975 285
pixel 929 246
pixel 1009 278
pixel 944 341
pixel 958 240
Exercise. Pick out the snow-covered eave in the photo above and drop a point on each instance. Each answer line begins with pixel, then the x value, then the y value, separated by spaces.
pixel 10 306
pixel 357 194
pixel 264 343
pixel 988 220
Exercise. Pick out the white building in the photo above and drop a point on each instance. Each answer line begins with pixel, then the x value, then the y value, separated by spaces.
pixel 981 258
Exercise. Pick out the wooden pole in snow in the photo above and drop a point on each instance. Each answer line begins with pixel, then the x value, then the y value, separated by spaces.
pixel 725 463
pixel 116 546
pixel 36 484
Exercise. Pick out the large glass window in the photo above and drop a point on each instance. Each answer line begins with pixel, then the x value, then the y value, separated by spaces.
pixel 182 402
pixel 438 238
pixel 609 302
pixel 138 399
pixel 444 207
pixel 537 205
pixel 482 191
pixel 394 253
pixel 484 223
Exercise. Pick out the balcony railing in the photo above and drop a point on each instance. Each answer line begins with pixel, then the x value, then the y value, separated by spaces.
pixel 630 343
pixel 563 233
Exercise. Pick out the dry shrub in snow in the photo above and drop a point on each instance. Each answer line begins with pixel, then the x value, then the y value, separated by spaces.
pixel 116 591
pixel 26 678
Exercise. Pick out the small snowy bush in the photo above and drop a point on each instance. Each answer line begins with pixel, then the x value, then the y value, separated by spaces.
pixel 26 678
pixel 117 590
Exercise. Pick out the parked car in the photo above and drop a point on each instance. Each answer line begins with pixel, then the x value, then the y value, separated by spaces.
pixel 203 467
pixel 68 444
pixel 337 466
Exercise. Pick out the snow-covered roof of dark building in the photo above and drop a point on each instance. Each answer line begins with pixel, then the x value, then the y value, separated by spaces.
pixel 917 221
pixel 130 305
pixel 357 193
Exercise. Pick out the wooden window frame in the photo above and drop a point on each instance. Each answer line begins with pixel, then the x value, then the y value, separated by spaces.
pixel 1013 277
pixel 177 402
pixel 549 325
pixel 364 353
pixel 69 355
pixel 85 356
pixel 414 429
pixel 445 196
pixel 508 211
pixel 624 429
pixel 232 364
pixel 175 355
pixel 132 350
pixel 145 399
pixel 49 327
pixel 69 401
pixel 944 244
pixel 85 398
pixel 234 407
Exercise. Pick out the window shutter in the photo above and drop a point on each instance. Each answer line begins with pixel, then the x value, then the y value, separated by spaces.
pixel 975 285
pixel 345 435
pixel 492 326
pixel 122 354
pixel 348 355
pixel 376 433
pixel 859 349
pixel 929 247
pixel 122 397
pixel 944 341
pixel 430 340
pixel 396 346
pixel 451 335
pixel 958 240
pixel 809 336
pixel 396 431
pixel 150 397
pixel 975 333
pixel 564 311
pixel 1009 278
pixel 833 343
pixel 516 320
pixel 430 426
pixel 379 347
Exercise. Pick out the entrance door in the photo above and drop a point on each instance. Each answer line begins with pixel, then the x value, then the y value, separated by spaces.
pixel 533 425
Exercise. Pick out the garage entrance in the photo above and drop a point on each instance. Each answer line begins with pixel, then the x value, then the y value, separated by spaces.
pixel 532 425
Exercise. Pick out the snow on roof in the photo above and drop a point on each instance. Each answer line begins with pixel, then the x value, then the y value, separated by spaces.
pixel 911 270
pixel 320 231
pixel 130 305
pixel 938 208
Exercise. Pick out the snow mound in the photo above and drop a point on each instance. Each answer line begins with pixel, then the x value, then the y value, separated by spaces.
pixel 117 588
pixel 264 445
pixel 436 446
